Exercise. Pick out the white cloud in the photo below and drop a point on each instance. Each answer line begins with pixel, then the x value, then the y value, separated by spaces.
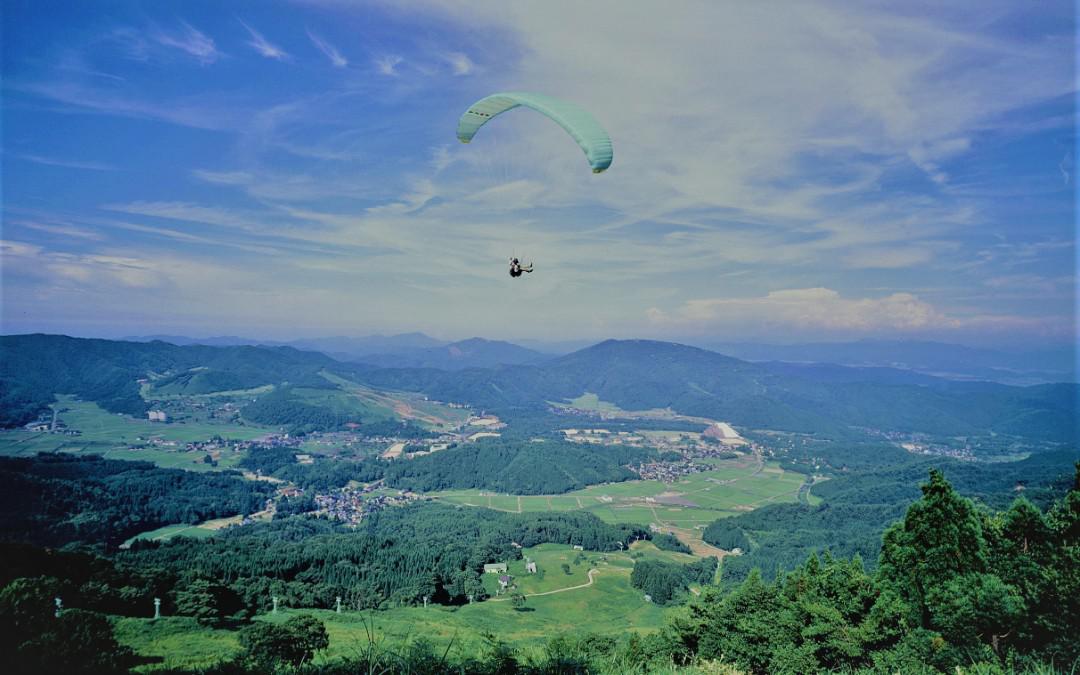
pixel 83 268
pixel 460 63
pixel 330 51
pixel 191 41
pixel 263 46
pixel 387 64
pixel 805 308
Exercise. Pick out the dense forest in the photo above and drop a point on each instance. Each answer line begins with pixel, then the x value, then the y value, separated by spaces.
pixel 56 499
pixel 549 466
pixel 520 467
pixel 857 506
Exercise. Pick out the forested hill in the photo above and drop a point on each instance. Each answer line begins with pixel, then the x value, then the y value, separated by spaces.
pixel 633 374
pixel 35 367
pixel 642 374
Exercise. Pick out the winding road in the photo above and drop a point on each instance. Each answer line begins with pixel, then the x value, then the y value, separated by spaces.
pixel 557 590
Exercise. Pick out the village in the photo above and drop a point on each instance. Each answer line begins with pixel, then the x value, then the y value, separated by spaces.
pixel 352 505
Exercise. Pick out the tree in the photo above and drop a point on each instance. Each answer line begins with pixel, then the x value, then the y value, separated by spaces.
pixel 294 642
pixel 210 602
pixel 35 640
pixel 308 634
pixel 937 560
pixel 518 601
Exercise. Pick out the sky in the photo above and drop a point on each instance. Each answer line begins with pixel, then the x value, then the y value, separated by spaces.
pixel 783 172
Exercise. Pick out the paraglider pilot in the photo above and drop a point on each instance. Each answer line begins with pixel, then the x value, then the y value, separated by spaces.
pixel 516 268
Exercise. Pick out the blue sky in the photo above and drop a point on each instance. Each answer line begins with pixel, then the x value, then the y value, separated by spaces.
pixel 784 172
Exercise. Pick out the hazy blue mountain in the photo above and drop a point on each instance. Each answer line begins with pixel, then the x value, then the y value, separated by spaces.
pixel 558 347
pixel 642 374
pixel 933 358
pixel 471 353
pixel 341 347
pixel 368 344
pixel 217 341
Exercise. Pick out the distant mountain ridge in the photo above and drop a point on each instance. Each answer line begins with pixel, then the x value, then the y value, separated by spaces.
pixel 932 358
pixel 345 348
pixel 471 353
pixel 632 374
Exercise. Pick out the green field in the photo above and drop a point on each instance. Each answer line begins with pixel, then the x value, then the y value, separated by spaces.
pixel 114 436
pixel 608 606
pixel 694 501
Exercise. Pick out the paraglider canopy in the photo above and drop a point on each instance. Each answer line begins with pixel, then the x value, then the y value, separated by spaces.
pixel 582 127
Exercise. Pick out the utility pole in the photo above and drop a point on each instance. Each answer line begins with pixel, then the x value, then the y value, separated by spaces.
pixel 425 601
pixel 157 608
pixel 275 604
pixel 338 610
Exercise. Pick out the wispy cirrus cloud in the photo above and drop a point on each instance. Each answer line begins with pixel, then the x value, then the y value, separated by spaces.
pixel 264 47
pixel 224 177
pixel 189 40
pixel 68 163
pixel 330 51
pixel 195 112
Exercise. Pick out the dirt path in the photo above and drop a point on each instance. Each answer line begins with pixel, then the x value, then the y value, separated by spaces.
pixel 557 590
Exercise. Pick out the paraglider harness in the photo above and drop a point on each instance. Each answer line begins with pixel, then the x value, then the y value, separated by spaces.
pixel 516 268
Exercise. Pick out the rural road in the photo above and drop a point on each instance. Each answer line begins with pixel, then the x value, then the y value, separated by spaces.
pixel 557 590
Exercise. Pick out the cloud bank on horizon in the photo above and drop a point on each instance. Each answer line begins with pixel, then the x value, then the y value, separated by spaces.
pixel 792 171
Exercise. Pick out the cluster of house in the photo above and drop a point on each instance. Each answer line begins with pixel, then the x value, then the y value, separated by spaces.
pixel 505 580
pixel 157 416
pixel 668 472
pixel 351 506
